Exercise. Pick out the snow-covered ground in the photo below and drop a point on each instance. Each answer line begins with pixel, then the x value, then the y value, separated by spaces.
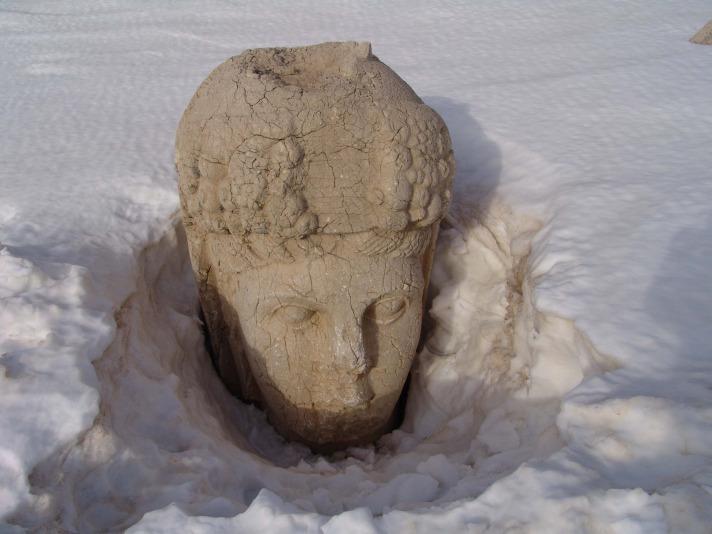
pixel 567 382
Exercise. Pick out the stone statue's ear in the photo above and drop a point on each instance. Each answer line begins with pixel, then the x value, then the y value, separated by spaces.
pixel 225 357
pixel 235 372
pixel 224 337
pixel 232 364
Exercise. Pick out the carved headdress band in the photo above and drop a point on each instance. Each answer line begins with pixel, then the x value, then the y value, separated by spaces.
pixel 315 157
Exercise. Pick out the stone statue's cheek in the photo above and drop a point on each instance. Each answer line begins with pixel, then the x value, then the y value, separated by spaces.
pixel 388 333
pixel 292 334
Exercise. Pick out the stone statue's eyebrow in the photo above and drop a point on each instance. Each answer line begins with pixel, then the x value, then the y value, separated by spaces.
pixel 301 283
pixel 401 287
pixel 298 284
pixel 275 302
pixel 399 281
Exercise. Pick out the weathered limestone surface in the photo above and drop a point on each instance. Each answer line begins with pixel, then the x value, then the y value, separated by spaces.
pixel 312 183
pixel 704 36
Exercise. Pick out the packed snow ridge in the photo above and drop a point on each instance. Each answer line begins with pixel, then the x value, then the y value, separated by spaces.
pixel 168 431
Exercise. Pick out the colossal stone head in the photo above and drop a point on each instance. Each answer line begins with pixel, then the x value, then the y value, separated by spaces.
pixel 312 183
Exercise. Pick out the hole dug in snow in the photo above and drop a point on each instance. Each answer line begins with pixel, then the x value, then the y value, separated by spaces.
pixel 484 395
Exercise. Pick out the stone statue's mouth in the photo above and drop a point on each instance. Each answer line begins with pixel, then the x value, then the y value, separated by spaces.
pixel 358 396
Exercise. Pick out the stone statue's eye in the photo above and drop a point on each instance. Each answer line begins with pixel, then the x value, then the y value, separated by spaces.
pixel 294 315
pixel 387 309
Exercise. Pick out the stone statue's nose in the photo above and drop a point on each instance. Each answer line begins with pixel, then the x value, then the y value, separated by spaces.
pixel 352 363
pixel 350 353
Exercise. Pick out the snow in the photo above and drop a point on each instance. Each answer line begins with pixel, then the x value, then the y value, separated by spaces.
pixel 566 385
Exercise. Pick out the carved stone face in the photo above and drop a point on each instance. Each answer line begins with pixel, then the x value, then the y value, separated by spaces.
pixel 312 184
pixel 334 332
